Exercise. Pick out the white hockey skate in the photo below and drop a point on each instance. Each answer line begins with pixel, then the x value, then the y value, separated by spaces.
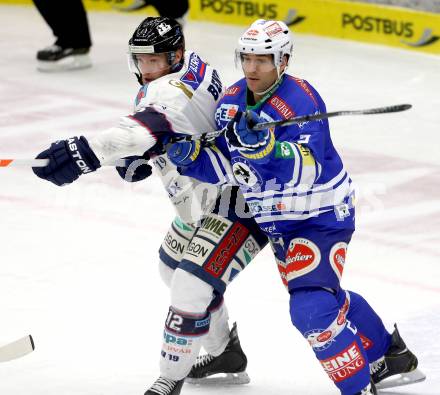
pixel 229 368
pixel 397 367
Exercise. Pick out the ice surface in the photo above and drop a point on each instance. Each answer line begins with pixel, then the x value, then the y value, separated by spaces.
pixel 78 265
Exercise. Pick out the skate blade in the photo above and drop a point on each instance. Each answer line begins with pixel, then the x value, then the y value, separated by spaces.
pixel 74 62
pixel 415 376
pixel 221 379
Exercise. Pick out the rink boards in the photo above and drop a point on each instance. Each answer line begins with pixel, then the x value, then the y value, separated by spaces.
pixel 365 22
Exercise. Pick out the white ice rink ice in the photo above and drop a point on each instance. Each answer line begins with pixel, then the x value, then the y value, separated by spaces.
pixel 78 264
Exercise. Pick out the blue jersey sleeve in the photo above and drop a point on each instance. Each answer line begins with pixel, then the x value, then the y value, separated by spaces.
pixel 213 165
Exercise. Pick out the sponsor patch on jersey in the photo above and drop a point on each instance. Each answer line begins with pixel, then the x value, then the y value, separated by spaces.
pixel 245 174
pixel 306 154
pixel 198 250
pixel 214 227
pixel 226 112
pixel 302 257
pixel 232 91
pixel 174 245
pixel 273 29
pixel 195 73
pixel 366 342
pixel 249 250
pixel 224 253
pixel 273 206
pixel 342 315
pixel 281 107
pixel 303 85
pixel 283 150
pixel 320 339
pixel 141 94
pixel 344 364
pixel 337 258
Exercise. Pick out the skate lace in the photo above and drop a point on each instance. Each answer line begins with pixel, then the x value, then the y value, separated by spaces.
pixel 203 360
pixel 163 386
pixel 377 365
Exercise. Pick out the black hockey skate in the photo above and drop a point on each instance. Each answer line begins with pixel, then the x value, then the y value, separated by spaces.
pixel 56 58
pixel 164 386
pixel 397 367
pixel 227 368
pixel 370 389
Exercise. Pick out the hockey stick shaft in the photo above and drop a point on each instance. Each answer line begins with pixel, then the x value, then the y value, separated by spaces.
pixel 207 137
pixel 325 115
pixel 41 162
pixel 17 349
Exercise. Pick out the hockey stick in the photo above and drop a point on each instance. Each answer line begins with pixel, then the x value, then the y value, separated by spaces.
pixel 208 137
pixel 325 115
pixel 43 162
pixel 17 349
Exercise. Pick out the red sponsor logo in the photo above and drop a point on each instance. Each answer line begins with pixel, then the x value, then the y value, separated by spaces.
pixel 324 336
pixel 280 206
pixel 231 112
pixel 343 312
pixel 252 32
pixel 232 91
pixel 366 342
pixel 190 76
pixel 339 259
pixel 283 272
pixel 273 29
pixel 225 251
pixel 281 107
pixel 345 364
pixel 299 257
pixel 306 89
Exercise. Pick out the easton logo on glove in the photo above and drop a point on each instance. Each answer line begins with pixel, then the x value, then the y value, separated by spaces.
pixel 76 155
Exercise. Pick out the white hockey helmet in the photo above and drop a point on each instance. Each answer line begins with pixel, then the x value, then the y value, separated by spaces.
pixel 265 37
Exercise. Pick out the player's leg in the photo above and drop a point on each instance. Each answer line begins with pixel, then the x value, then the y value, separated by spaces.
pixel 68 21
pixel 315 310
pixel 316 314
pixel 173 248
pixel 391 362
pixel 220 249
pixel 229 228
pixel 219 336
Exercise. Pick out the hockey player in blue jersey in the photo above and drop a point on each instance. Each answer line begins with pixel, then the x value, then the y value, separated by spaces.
pixel 300 194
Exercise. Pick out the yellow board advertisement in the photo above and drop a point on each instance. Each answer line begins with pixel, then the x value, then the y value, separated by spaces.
pixel 399 27
pixel 103 5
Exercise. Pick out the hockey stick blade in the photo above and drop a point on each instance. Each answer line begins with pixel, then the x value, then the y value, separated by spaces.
pixel 17 349
pixel 325 115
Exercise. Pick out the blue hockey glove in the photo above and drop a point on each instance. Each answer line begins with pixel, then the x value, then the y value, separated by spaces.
pixel 68 159
pixel 240 134
pixel 136 168
pixel 183 153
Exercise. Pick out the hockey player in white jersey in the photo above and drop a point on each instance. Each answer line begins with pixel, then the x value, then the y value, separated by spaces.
pixel 178 97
